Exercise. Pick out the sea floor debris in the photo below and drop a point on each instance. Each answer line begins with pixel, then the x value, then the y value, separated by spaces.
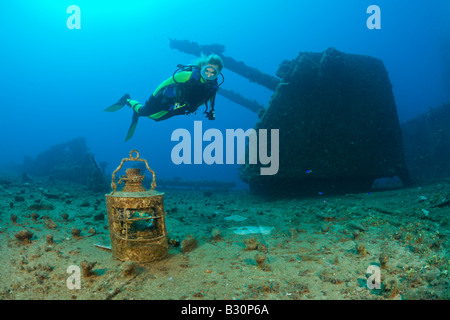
pixel 318 248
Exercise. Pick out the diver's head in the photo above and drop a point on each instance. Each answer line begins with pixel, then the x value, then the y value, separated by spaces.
pixel 215 60
pixel 210 72
pixel 211 66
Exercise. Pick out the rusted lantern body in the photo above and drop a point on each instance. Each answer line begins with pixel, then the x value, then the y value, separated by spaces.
pixel 136 217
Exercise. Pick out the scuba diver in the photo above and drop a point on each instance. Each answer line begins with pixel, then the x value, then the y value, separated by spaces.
pixel 189 87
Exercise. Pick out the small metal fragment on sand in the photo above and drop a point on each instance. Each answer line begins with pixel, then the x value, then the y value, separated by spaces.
pixel 100 246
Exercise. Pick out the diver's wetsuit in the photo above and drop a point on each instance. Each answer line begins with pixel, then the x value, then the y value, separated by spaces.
pixel 182 96
pixel 182 93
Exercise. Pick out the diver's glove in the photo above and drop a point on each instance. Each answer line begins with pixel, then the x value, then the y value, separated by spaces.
pixel 210 115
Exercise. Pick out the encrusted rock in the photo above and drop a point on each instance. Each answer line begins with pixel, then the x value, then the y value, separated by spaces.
pixel 76 232
pixel 261 261
pixel 41 205
pixel 262 247
pixel 50 224
pixel 356 226
pixel 188 244
pixel 361 250
pixel 34 216
pixel 251 244
pixel 24 235
pixel 49 238
pixel 87 268
pixel 128 268
pixel 384 258
pixel 216 234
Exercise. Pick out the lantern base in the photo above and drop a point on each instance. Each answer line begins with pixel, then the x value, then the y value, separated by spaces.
pixel 141 251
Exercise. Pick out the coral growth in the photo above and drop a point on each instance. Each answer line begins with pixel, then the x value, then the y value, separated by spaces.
pixel 87 268
pixel 189 243
pixel 24 235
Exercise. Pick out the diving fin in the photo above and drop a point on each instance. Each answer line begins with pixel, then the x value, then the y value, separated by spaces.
pixel 119 104
pixel 134 122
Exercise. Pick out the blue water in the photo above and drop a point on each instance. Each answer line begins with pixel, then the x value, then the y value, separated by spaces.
pixel 55 82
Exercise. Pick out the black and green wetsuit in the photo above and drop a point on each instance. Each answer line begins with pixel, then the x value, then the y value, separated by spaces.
pixel 183 93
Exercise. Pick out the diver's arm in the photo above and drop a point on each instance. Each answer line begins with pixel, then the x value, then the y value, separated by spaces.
pixel 210 104
pixel 180 77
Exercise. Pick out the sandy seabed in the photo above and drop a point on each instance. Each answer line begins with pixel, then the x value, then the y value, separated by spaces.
pixel 316 248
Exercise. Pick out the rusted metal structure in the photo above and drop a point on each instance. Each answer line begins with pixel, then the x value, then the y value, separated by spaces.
pixel 136 217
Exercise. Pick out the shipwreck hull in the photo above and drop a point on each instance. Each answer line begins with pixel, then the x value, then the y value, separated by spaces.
pixel 338 126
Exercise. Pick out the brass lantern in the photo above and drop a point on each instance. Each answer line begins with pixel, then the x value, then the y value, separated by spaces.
pixel 136 217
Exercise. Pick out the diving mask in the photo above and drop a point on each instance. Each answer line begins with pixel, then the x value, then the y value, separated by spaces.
pixel 209 73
